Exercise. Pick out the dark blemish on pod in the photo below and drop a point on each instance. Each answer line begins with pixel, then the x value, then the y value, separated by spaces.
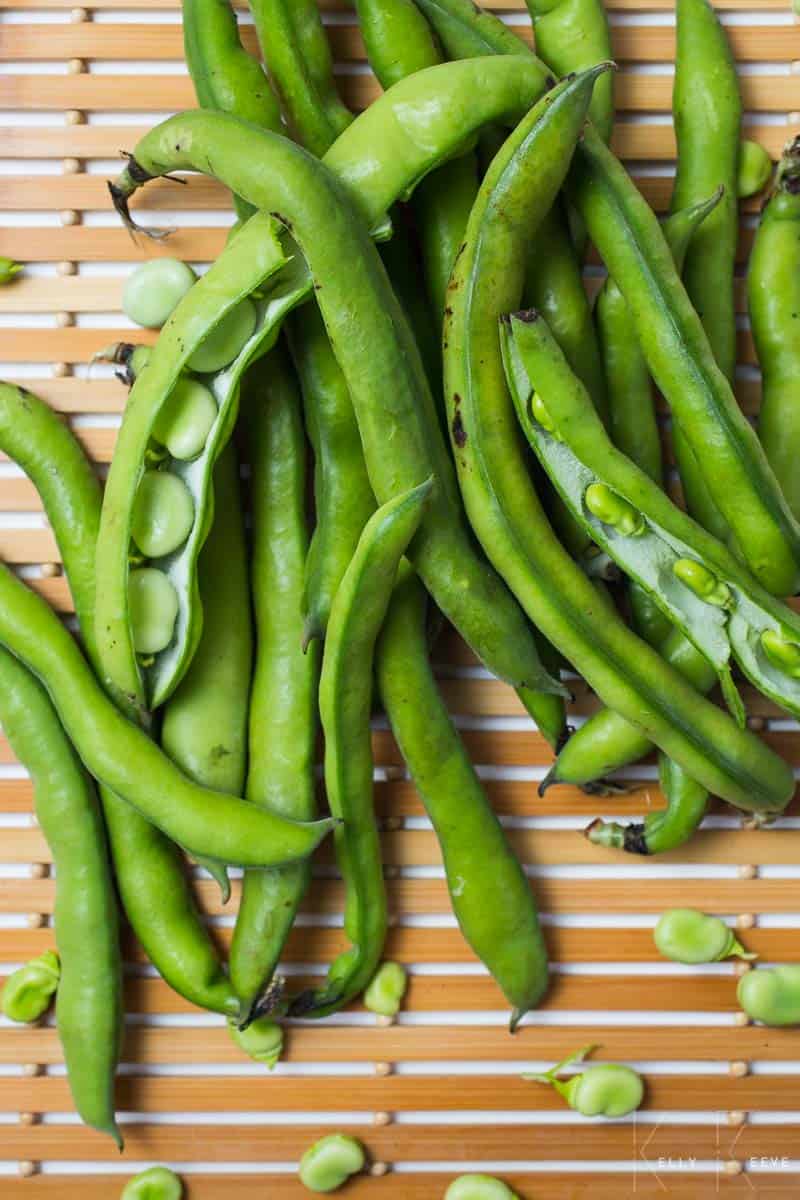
pixel 287 224
pixel 528 316
pixel 459 432
pixel 549 81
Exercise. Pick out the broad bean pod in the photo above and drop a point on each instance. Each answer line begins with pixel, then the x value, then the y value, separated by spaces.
pixel 149 869
pixel 368 345
pixel 122 757
pixel 696 580
pixel 399 42
pixel 661 831
pixel 773 294
pixel 296 51
pixel 505 511
pixel 283 704
pixel 489 892
pixel 681 360
pixel 345 698
pixel 573 35
pixel 253 255
pixel 89 999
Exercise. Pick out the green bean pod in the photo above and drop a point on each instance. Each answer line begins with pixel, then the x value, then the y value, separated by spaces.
pixel 342 491
pixel 773 293
pixel 372 341
pixel 490 894
pixel 345 699
pixel 119 755
pixel 681 361
pixel 573 35
pixel 466 31
pixel 89 999
pixel 298 59
pixel 695 579
pixel 398 39
pixel 283 707
pixel 255 255
pixel 149 869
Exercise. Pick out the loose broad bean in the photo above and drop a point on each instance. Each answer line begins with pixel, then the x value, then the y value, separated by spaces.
pixel 186 419
pixel 605 1090
pixel 156 1183
pixel 330 1162
pixel 8 270
pixel 163 513
pixel 262 1040
pixel 688 936
pixel 154 289
pixel 385 992
pixel 479 1187
pixel 28 991
pixel 755 169
pixel 772 995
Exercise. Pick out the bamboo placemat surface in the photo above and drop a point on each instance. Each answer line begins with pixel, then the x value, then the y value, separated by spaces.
pixel 439 1091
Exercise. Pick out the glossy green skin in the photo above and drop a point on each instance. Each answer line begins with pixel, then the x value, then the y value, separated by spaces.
pixel 89 999
pixel 479 1187
pixel 251 257
pixel 120 755
pixel 156 1183
pixel 226 78
pixel 607 1090
pixel 466 31
pixel 726 759
pixel 771 996
pixel 707 112
pixel 773 293
pixel 687 802
pixel 688 936
pixel 262 1041
pixel 283 706
pixel 399 42
pixel 149 869
pixel 342 491
pixel 345 701
pixel 755 169
pixel 681 361
pixel 573 35
pixel 28 991
pixel 294 47
pixel 372 340
pixel 489 892
pixel 330 1162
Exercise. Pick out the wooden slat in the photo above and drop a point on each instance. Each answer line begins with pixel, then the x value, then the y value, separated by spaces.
pixel 179 1046
pixel 642 142
pixel 167 93
pixel 411 944
pixel 434 1093
pixel 164 42
pixel 641 1184
pixel 539 847
pixel 414 897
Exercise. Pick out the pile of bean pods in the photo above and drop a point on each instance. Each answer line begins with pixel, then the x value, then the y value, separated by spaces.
pixel 401 304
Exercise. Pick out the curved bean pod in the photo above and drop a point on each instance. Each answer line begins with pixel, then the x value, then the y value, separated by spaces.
pixel 149 869
pixel 372 341
pixel 773 293
pixel 490 895
pixel 687 802
pixel 89 999
pixel 345 698
pixel 283 706
pixel 504 508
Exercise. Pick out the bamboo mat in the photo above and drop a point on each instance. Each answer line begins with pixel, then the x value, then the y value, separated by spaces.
pixel 439 1091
